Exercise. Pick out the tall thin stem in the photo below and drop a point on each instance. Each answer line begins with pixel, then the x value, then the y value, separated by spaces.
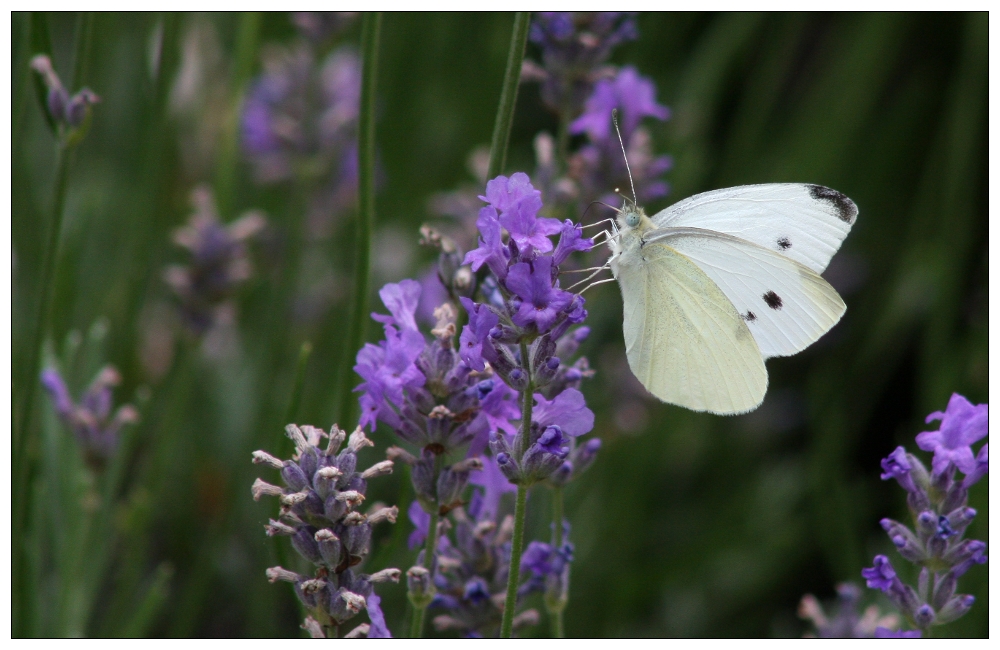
pixel 514 573
pixel 371 25
pixel 554 603
pixel 508 96
pixel 430 548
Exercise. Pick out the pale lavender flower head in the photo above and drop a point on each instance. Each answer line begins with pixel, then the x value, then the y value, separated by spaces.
pixel 962 424
pixel 574 50
pixel 844 620
pixel 92 422
pixel 65 113
pixel 220 261
pixel 320 512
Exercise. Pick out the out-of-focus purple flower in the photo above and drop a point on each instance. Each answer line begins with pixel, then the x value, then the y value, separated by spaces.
pixel 845 621
pixel 981 469
pixel 219 264
pixel 494 485
pixel 421 524
pixel 318 26
pixel 378 630
pixel 91 421
pixel 574 49
pixel 962 424
pixel 541 302
pixel 67 113
pixel 630 92
pixel 886 633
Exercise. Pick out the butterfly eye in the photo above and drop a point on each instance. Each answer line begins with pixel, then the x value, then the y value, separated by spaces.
pixel 632 219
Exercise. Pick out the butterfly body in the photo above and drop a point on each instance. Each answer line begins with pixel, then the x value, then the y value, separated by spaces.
pixel 717 283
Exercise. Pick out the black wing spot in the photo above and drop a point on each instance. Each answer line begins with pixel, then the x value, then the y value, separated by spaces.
pixel 784 243
pixel 846 210
pixel 773 300
pixel 749 316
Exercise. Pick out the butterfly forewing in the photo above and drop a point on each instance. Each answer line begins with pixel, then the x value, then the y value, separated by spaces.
pixel 684 339
pixel 786 305
pixel 806 223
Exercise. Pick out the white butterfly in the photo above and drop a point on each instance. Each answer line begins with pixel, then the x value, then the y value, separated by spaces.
pixel 717 283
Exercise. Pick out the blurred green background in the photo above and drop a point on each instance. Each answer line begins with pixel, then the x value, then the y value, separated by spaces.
pixel 688 524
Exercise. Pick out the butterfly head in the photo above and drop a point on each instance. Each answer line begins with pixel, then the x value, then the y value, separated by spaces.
pixel 632 217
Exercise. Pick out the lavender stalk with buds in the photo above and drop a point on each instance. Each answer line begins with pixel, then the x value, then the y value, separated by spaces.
pixel 320 513
pixel 938 503
pixel 68 115
pixel 219 261
pixel 91 420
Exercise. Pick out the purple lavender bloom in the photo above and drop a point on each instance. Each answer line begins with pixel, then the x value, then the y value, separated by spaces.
pixel 494 485
pixel 981 469
pixel 91 421
pixel 526 229
pixel 881 575
pixel 962 424
pixel 568 410
pixel 633 94
pixel 401 300
pixel 475 333
pixel 506 193
pixel 491 250
pixel 542 303
pixel 421 524
pixel 570 239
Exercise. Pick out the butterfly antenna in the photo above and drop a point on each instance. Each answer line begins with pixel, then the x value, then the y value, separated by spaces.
pixel 614 118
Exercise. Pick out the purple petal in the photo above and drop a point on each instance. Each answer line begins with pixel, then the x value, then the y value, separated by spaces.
pixel 568 410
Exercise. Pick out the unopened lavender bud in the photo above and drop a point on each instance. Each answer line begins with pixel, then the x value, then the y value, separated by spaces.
pixel 420 588
pixel 378 469
pixel 385 575
pixel 56 102
pixel 905 541
pixel 384 514
pixel 351 498
pixel 527 617
pixel 923 616
pixel 263 488
pixel 399 454
pixel 79 105
pixel 508 467
pixel 517 379
pixel 263 458
pixel 292 499
pixel 360 632
pixel 277 573
pixel 955 608
pixel 926 524
pixel 345 605
pixel 308 460
pixel 944 590
pixel 305 543
pixel 297 437
pixel 337 437
pixel 329 547
pixel 278 528
pixel 547 372
pixel 294 477
pixel 541 352
pixel 358 441
pixel 500 357
pixel 325 481
pixel 965 554
pixel 312 626
pixel 347 462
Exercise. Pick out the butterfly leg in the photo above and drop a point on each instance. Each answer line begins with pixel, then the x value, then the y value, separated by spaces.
pixel 596 270
pixel 594 284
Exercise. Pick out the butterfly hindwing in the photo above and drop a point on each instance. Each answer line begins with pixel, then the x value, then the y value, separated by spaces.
pixel 786 305
pixel 684 339
pixel 806 223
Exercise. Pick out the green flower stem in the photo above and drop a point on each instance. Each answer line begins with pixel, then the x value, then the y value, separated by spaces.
pixel 514 573
pixel 517 542
pixel 508 96
pixel 430 549
pixel 557 605
pixel 371 25
pixel 247 36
